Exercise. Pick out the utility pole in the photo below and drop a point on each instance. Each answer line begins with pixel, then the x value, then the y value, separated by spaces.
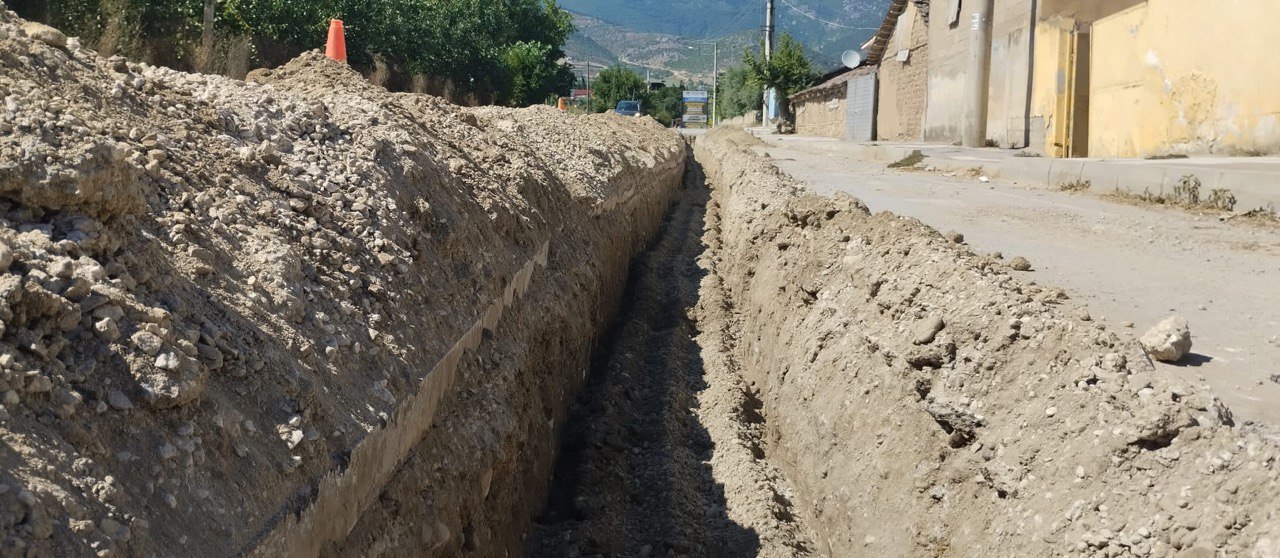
pixel 589 109
pixel 768 30
pixel 715 83
pixel 769 94
pixel 975 113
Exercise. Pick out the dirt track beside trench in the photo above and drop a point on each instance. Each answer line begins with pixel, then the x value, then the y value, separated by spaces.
pixel 923 401
pixel 1124 263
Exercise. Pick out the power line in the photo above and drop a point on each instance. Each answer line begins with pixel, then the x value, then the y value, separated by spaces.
pixel 798 10
pixel 741 16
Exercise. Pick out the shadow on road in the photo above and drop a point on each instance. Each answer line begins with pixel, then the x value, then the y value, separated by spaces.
pixel 1194 360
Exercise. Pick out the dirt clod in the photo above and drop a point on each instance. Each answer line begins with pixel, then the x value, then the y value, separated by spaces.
pixel 45 34
pixel 1020 264
pixel 1168 341
pixel 927 330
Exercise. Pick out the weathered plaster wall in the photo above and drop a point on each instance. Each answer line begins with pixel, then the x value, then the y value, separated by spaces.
pixel 1186 77
pixel 903 84
pixel 822 115
pixel 1050 85
pixel 1011 42
pixel 948 67
pixel 1084 10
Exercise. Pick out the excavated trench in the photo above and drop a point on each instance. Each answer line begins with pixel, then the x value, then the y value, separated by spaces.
pixel 661 444
pixel 790 375
pixel 302 316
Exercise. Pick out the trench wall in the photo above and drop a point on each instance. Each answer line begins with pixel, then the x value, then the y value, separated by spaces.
pixel 495 401
pixel 924 401
pixel 476 479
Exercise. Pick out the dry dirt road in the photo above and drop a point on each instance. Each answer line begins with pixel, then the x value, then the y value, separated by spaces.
pixel 1123 263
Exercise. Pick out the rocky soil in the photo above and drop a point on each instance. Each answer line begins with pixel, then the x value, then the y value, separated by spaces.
pixel 230 310
pixel 924 401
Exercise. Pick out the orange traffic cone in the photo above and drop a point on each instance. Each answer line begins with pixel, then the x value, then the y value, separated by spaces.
pixel 336 48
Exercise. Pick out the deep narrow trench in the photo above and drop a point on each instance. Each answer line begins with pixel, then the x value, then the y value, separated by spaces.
pixel 636 472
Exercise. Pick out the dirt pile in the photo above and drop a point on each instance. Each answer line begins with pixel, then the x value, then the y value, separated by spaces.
pixel 924 401
pixel 231 310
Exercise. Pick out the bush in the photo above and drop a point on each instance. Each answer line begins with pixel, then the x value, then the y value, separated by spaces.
pixel 506 50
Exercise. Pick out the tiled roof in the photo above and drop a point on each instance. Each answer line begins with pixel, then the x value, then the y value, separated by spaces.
pixel 837 81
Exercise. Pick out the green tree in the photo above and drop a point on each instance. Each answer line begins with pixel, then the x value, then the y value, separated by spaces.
pixel 666 104
pixel 737 94
pixel 788 71
pixel 508 50
pixel 617 84
pixel 533 75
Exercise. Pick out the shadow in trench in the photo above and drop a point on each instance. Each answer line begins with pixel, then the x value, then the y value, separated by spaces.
pixel 632 477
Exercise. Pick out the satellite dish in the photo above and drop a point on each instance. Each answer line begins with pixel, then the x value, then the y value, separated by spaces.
pixel 851 59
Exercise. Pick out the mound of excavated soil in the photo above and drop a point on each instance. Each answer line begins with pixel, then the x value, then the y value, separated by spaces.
pixel 231 310
pixel 925 402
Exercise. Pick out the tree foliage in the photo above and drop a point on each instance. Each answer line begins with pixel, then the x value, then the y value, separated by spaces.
pixel 617 84
pixel 667 104
pixel 532 79
pixel 737 95
pixel 511 50
pixel 788 71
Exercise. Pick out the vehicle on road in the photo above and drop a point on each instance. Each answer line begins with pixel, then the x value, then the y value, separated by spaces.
pixel 629 108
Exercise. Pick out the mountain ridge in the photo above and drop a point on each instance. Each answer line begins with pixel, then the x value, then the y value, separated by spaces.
pixel 667 36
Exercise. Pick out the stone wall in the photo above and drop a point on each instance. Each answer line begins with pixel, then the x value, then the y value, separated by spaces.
pixel 822 114
pixel 903 83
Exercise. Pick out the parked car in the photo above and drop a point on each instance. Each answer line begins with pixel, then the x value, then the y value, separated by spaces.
pixel 629 108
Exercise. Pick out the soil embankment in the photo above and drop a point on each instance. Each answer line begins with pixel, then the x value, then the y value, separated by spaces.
pixel 233 311
pixel 924 401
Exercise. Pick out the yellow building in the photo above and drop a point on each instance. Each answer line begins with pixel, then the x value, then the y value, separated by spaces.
pixel 1186 76
pixel 1106 78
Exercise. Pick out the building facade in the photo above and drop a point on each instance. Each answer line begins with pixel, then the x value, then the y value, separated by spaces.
pixel 903 58
pixel 821 110
pixel 1107 78
pixel 1179 76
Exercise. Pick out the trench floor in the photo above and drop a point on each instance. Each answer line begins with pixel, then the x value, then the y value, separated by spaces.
pixel 648 466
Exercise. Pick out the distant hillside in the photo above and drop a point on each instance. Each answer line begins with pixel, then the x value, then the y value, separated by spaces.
pixel 826 27
pixel 670 58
